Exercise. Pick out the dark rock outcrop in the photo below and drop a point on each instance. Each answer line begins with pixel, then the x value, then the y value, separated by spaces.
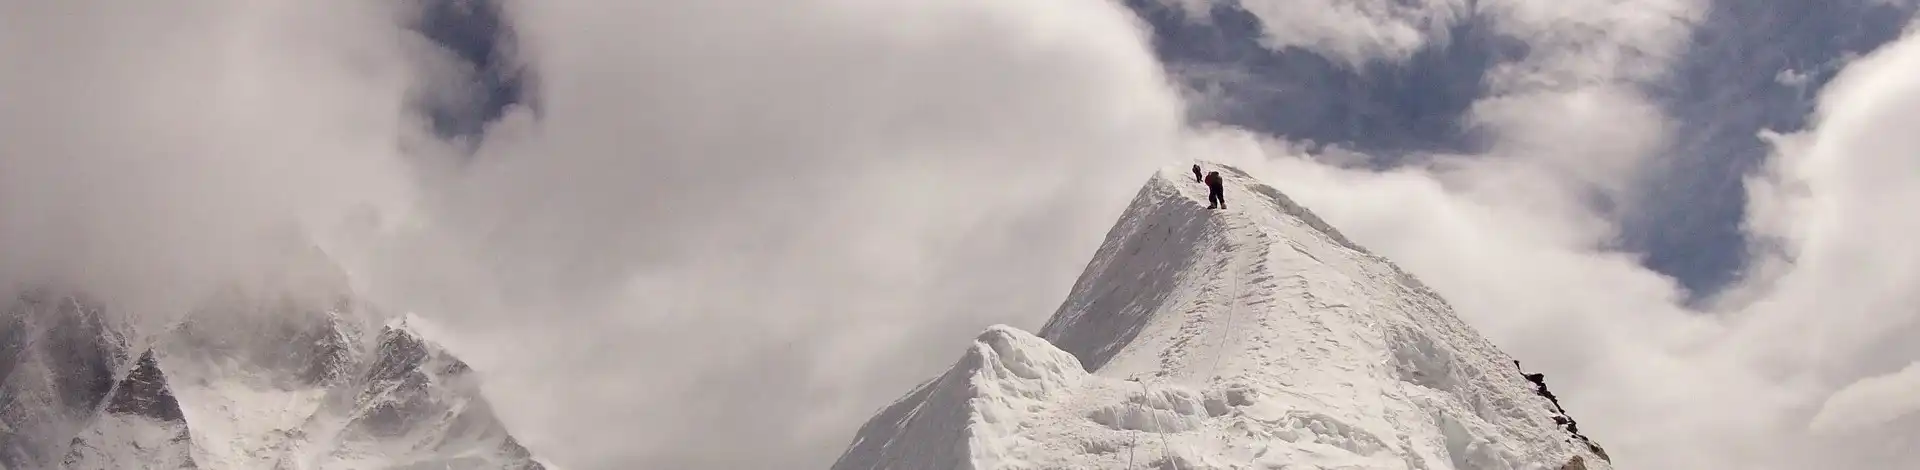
pixel 144 393
pixel 1561 417
pixel 142 425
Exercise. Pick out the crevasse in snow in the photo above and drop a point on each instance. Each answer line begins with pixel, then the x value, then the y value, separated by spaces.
pixel 1252 337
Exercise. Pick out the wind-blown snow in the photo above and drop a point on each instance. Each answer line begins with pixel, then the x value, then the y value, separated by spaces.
pixel 1251 337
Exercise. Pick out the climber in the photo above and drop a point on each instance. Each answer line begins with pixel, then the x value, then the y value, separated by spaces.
pixel 1216 196
pixel 1196 173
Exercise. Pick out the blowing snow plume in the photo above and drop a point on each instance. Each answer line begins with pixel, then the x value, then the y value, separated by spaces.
pixel 1254 337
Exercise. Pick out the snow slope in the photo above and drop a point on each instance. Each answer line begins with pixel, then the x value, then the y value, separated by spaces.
pixel 290 373
pixel 1254 337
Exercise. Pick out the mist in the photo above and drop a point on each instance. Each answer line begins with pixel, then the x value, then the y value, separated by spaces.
pixel 149 154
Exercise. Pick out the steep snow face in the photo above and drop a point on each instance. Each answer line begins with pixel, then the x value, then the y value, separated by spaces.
pixel 1251 337
pixel 289 373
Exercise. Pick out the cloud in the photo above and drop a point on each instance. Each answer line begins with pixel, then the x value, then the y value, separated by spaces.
pixel 758 225
pixel 1570 102
pixel 146 149
pixel 1871 402
pixel 1821 199
pixel 1355 33
pixel 738 225
pixel 1586 41
pixel 1568 43
pixel 1836 309
pixel 1800 346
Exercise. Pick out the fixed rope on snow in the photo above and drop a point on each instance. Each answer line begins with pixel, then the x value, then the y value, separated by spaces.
pixel 1165 448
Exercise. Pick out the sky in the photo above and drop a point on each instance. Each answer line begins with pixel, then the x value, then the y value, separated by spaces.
pixel 689 235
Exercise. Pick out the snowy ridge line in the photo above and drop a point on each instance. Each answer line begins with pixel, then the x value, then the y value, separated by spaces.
pixel 1285 205
pixel 1226 333
pixel 1262 238
pixel 1132 443
pixel 1339 360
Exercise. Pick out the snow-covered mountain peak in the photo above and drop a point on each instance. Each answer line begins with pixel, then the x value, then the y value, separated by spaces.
pixel 288 371
pixel 1251 337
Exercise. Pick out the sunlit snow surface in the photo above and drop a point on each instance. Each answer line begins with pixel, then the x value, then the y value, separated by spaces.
pixel 1252 337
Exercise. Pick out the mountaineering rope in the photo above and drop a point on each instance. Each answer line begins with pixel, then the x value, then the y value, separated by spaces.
pixel 1379 326
pixel 1164 447
pixel 1232 302
pixel 1132 445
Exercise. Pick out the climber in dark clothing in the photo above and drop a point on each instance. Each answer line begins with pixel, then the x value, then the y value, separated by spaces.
pixel 1196 173
pixel 1216 196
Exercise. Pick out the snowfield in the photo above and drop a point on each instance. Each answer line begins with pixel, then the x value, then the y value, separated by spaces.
pixel 1254 337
